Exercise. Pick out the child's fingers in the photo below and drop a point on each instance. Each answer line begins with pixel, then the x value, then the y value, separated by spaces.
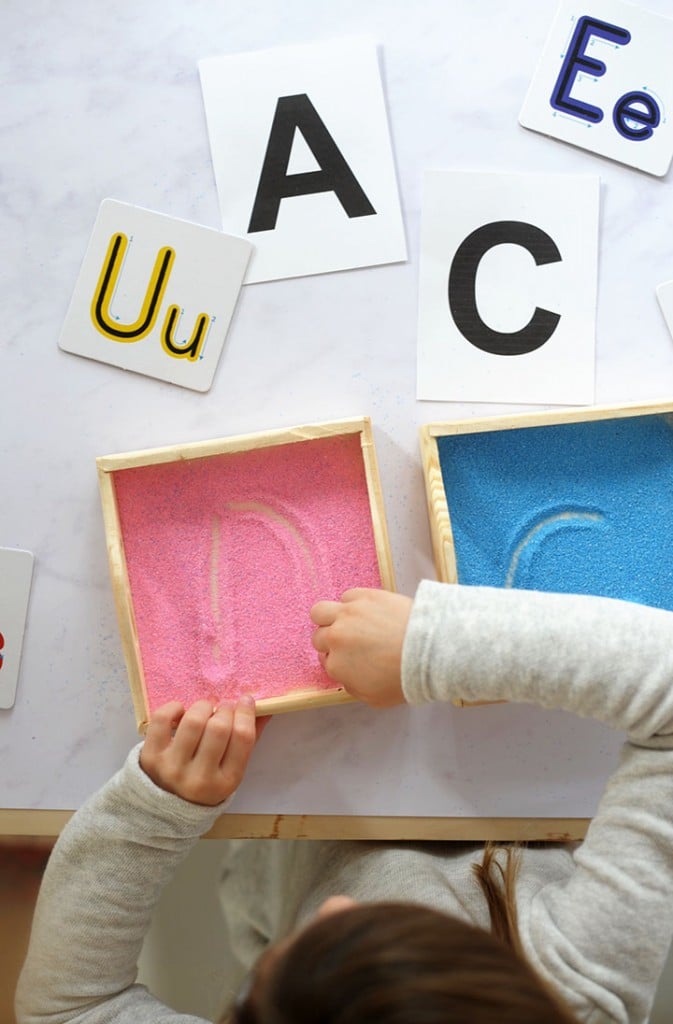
pixel 241 742
pixel 216 736
pixel 355 593
pixel 201 754
pixel 324 612
pixel 190 729
pixel 319 639
pixel 162 725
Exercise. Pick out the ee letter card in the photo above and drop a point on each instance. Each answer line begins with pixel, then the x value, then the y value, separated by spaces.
pixel 16 573
pixel 605 83
pixel 155 295
pixel 313 183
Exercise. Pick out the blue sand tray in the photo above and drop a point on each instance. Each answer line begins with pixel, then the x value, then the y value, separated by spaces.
pixel 573 507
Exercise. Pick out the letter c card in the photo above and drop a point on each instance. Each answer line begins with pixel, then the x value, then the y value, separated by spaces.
pixel 16 573
pixel 605 83
pixel 507 287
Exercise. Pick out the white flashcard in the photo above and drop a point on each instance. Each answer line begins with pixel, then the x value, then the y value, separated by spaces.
pixel 605 83
pixel 665 299
pixel 16 572
pixel 302 157
pixel 155 295
pixel 507 289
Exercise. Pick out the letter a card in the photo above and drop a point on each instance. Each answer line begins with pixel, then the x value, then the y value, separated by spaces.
pixel 605 83
pixel 16 572
pixel 302 157
pixel 155 295
pixel 507 288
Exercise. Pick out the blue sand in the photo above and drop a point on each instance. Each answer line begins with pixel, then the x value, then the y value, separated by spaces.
pixel 573 507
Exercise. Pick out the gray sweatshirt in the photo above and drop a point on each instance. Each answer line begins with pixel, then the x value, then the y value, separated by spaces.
pixel 595 920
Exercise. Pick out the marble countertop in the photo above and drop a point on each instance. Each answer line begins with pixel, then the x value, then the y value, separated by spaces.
pixel 104 101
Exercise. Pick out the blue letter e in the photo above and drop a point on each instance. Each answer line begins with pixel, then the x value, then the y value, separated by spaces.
pixel 576 60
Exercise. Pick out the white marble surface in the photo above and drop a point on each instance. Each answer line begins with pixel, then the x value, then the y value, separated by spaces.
pixel 104 100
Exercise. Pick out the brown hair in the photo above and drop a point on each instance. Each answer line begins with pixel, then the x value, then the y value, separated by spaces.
pixel 498 885
pixel 401 963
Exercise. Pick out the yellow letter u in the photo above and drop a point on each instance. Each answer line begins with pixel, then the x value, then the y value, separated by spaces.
pixel 100 307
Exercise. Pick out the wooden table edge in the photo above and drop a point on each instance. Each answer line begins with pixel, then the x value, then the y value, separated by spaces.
pixel 26 822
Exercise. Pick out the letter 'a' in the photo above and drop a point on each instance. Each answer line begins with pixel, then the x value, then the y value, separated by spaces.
pixel 298 113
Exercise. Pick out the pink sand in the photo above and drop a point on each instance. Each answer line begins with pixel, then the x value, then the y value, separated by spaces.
pixel 227 554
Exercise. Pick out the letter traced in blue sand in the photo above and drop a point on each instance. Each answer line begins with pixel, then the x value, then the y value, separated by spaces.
pixel 529 546
pixel 582 507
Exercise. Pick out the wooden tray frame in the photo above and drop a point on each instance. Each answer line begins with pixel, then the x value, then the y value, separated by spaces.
pixel 441 532
pixel 107 465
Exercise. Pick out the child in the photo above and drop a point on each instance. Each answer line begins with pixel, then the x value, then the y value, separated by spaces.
pixel 577 934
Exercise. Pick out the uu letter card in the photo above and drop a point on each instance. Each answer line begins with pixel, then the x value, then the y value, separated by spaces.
pixel 507 289
pixel 605 83
pixel 155 295
pixel 16 573
pixel 302 157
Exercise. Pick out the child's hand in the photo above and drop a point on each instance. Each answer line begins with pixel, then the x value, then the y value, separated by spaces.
pixel 359 640
pixel 200 754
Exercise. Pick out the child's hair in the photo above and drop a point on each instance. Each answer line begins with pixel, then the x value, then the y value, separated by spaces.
pixel 498 885
pixel 402 963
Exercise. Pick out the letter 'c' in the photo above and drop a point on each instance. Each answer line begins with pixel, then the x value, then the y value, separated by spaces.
pixel 462 288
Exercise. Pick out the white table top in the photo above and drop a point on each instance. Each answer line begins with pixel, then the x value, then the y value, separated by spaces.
pixel 105 100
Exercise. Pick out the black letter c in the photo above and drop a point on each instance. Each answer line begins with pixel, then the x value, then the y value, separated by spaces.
pixel 462 288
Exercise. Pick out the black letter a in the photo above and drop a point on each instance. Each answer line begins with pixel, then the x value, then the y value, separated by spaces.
pixel 275 183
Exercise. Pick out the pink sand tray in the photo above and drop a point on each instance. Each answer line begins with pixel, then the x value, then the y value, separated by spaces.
pixel 218 549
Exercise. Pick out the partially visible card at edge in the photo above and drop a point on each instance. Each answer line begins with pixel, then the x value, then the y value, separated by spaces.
pixel 16 573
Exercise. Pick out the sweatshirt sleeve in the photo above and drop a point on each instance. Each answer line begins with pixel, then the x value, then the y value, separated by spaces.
pixel 102 882
pixel 601 937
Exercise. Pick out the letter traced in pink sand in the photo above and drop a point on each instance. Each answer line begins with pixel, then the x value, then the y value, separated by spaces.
pixel 227 554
